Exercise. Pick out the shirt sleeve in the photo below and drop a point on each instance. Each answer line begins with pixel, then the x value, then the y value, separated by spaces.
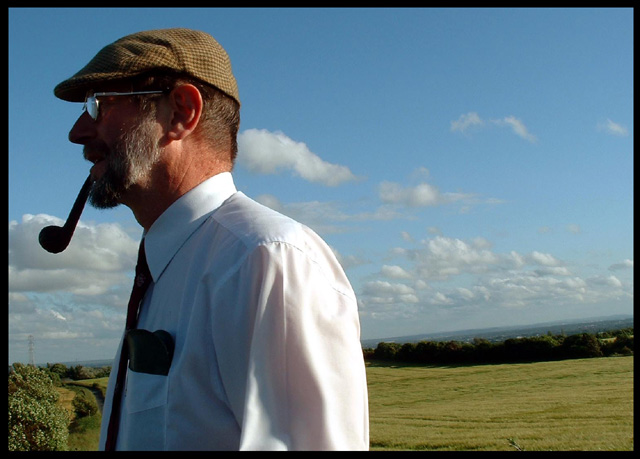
pixel 295 374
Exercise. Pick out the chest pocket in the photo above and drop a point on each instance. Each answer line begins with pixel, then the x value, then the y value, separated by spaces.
pixel 150 356
pixel 145 391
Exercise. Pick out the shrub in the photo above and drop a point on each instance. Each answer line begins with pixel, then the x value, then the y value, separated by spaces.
pixel 407 352
pixel 36 421
pixel 84 404
pixel 386 351
pixel 58 369
pixel 622 345
pixel 581 346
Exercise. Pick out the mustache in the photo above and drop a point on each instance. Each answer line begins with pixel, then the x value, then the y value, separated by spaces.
pixel 96 151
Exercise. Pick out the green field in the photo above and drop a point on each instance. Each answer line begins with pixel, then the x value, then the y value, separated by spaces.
pixel 84 433
pixel 584 405
pixel 99 383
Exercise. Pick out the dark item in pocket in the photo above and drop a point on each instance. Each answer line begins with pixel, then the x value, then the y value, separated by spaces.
pixel 149 352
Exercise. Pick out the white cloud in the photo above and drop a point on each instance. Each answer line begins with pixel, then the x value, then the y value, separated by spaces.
pixel 383 287
pixel 440 298
pixel 421 195
pixel 79 294
pixel 524 289
pixel 266 152
pixel 625 264
pixel 394 272
pixel 441 258
pixel 517 126
pixel 330 217
pixel 544 259
pixel 323 217
pixel 418 196
pixel 327 217
pixel 613 281
pixel 105 247
pixel 466 121
pixel 552 271
pixel 611 128
pixel 382 292
pixel 451 277
pixel 406 236
pixel 472 119
pixel 58 316
pixel 515 259
pixel 98 257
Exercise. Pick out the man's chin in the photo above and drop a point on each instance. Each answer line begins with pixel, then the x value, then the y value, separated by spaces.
pixel 103 197
pixel 102 204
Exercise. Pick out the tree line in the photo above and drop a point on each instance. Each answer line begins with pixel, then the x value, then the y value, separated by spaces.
pixel 514 350
pixel 77 372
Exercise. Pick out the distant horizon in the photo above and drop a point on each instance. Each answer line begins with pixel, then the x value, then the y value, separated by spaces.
pixel 451 332
pixel 520 326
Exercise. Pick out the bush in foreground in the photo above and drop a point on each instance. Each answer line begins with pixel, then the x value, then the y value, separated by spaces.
pixel 36 421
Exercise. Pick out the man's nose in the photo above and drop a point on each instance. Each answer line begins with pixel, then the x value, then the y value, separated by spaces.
pixel 83 130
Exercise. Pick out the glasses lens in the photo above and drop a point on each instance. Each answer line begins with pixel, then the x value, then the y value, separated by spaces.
pixel 91 105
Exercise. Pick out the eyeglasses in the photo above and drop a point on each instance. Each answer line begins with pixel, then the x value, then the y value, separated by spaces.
pixel 91 104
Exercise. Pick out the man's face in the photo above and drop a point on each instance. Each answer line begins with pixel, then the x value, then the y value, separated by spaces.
pixel 123 145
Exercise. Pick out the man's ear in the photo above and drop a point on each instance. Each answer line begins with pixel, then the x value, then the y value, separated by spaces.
pixel 186 108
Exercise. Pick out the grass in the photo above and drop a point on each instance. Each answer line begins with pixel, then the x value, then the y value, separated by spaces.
pixel 84 433
pixel 570 405
pixel 66 397
pixel 100 383
pixel 582 404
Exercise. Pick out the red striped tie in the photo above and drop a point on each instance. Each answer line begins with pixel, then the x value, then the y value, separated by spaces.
pixel 140 284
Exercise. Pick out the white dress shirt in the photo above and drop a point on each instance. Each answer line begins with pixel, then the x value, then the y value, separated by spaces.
pixel 265 324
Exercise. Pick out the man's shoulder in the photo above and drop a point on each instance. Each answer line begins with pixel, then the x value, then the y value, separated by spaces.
pixel 257 224
pixel 242 226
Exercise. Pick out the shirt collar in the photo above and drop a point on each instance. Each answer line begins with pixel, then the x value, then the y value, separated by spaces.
pixel 169 232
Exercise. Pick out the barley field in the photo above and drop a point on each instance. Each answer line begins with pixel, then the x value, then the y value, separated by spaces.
pixel 570 405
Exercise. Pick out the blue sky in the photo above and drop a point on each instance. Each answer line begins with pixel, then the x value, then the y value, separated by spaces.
pixel 470 167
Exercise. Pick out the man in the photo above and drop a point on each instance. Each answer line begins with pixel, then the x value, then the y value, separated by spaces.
pixel 255 318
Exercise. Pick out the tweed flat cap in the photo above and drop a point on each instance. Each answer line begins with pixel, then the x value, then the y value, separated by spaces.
pixel 188 51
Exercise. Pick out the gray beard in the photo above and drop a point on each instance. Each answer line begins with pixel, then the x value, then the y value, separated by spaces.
pixel 131 159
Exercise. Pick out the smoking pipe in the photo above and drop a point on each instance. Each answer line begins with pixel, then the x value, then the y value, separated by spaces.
pixel 55 239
